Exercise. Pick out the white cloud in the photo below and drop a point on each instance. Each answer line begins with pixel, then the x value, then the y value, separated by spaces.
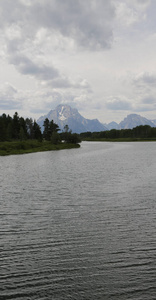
pixel 130 12
pixel 126 15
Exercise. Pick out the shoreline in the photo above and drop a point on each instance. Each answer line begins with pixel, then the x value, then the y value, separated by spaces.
pixel 121 140
pixel 32 146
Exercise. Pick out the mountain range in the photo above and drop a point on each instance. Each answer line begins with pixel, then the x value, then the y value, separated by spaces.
pixel 66 115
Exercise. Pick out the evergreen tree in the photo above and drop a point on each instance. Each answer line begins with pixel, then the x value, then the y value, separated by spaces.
pixel 22 135
pixel 29 127
pixel 9 131
pixel 16 126
pixel 24 126
pixel 2 130
pixel 37 132
pixel 46 131
pixel 49 128
pixel 53 127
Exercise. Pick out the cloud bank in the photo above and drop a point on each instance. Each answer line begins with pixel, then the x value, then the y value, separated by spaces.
pixel 60 51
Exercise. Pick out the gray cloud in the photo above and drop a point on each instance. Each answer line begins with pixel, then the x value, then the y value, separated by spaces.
pixel 88 23
pixel 66 83
pixel 117 104
pixel 145 108
pixel 147 103
pixel 49 75
pixel 145 79
pixel 9 98
pixel 28 67
pixel 149 100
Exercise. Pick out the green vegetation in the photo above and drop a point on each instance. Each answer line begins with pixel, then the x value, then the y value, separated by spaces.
pixel 19 135
pixel 21 147
pixel 70 137
pixel 139 133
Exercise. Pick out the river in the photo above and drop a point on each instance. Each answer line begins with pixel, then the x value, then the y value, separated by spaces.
pixel 79 223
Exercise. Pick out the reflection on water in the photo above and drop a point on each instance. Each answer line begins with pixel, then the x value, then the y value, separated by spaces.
pixel 79 224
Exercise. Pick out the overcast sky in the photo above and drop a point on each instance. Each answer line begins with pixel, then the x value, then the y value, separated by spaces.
pixel 96 55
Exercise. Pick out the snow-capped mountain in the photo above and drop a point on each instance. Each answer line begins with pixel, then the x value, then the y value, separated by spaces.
pixel 65 115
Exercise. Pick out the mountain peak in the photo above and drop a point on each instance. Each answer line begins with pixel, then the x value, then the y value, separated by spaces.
pixel 134 120
pixel 64 114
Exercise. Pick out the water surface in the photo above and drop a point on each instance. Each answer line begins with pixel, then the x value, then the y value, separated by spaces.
pixel 79 223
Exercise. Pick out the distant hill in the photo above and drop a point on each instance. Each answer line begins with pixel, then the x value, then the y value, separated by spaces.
pixel 65 115
pixel 112 125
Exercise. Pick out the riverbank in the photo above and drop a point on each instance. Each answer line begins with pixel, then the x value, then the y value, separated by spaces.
pixel 120 140
pixel 30 146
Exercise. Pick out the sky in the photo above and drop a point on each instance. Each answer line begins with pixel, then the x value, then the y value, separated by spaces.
pixel 98 56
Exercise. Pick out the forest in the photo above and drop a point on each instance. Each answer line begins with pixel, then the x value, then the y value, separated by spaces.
pixel 18 128
pixel 142 132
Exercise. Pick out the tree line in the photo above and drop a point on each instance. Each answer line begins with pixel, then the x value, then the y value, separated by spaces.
pixel 18 128
pixel 139 132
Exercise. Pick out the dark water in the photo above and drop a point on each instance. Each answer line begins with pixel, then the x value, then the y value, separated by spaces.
pixel 79 224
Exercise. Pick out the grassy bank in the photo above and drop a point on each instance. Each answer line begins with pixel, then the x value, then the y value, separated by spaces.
pixel 30 146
